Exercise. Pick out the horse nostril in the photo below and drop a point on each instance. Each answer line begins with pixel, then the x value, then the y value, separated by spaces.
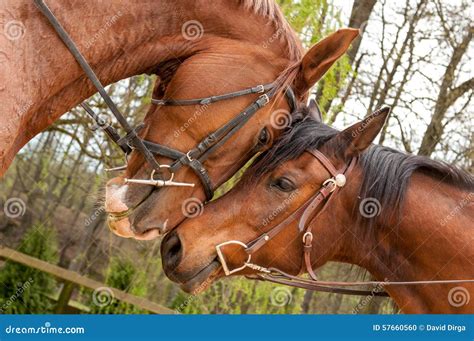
pixel 171 251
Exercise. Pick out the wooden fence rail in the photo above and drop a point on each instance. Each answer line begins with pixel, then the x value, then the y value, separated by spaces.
pixel 74 277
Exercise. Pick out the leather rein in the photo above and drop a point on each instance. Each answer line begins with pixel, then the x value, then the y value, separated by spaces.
pixel 305 215
pixel 193 158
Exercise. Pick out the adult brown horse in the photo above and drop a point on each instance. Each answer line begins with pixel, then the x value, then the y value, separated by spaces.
pixel 402 217
pixel 197 48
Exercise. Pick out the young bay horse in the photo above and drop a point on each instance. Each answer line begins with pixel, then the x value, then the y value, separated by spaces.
pixel 402 217
pixel 197 49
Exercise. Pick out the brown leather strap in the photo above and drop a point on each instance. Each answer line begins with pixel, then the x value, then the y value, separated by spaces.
pixel 309 215
pixel 321 288
pixel 306 209
pixel 263 239
pixel 324 160
pixel 320 196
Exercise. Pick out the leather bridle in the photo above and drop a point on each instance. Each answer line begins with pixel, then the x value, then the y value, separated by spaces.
pixel 305 215
pixel 193 158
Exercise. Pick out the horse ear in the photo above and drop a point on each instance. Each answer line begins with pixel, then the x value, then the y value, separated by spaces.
pixel 358 137
pixel 314 111
pixel 322 56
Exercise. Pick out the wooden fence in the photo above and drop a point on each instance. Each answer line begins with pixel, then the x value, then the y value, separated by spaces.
pixel 75 278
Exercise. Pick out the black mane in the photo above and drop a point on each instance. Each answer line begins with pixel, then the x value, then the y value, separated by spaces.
pixel 386 171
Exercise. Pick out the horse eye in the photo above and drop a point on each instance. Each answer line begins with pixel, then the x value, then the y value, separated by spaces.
pixel 283 184
pixel 264 136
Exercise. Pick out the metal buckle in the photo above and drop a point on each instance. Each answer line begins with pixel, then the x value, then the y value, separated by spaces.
pixel 246 264
pixel 329 181
pixel 266 99
pixel 260 89
pixel 189 156
pixel 310 235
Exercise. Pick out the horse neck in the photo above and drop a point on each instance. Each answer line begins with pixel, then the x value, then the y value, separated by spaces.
pixel 431 241
pixel 41 80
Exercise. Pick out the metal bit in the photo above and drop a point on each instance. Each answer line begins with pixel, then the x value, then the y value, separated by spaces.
pixel 159 183
pixel 116 169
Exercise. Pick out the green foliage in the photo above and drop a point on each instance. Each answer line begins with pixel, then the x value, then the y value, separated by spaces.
pixel 123 275
pixel 23 289
pixel 314 20
pixel 241 296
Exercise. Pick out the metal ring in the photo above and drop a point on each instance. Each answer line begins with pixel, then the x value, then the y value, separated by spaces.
pixel 223 260
pixel 162 166
pixel 310 234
